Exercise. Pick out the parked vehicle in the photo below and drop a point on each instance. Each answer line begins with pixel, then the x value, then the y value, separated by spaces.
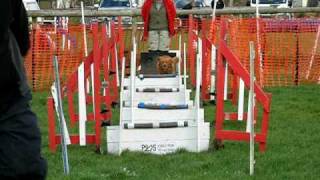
pixel 31 5
pixel 274 4
pixel 117 5
pixel 271 3
pixel 188 4
pixel 305 3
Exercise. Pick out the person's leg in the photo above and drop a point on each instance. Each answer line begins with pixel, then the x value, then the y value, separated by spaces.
pixel 164 43
pixel 153 41
pixel 20 145
pixel 147 62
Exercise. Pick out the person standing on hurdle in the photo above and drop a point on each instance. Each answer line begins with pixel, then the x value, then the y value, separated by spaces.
pixel 20 140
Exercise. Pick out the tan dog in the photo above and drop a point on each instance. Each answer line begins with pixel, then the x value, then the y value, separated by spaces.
pixel 167 64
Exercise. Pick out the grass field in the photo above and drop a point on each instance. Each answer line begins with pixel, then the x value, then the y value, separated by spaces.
pixel 293 148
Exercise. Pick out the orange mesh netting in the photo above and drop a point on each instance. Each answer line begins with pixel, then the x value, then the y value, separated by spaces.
pixel 47 41
pixel 290 52
pixel 289 49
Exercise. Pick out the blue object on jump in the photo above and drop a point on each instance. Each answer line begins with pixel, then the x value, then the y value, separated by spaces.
pixel 143 105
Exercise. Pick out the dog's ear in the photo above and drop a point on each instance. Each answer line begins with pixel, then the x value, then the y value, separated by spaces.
pixel 175 60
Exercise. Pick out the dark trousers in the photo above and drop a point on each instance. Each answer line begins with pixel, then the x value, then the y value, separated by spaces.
pixel 20 142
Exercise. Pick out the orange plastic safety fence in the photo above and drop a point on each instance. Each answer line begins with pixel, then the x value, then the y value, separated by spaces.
pixel 242 31
pixel 47 41
pixel 290 52
pixel 289 49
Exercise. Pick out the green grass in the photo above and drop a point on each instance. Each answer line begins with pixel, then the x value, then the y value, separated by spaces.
pixel 293 148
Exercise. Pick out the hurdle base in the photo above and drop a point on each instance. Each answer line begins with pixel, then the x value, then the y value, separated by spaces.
pixel 158 140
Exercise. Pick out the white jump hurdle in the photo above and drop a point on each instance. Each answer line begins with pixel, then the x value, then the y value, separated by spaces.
pixel 168 120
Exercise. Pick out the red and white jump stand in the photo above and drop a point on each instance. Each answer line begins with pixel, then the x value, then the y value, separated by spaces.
pixel 103 58
pixel 226 56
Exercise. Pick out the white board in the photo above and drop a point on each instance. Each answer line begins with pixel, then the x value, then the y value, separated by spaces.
pixel 158 141
pixel 82 105
pixel 162 98
pixel 240 100
pixel 158 115
pixel 172 82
